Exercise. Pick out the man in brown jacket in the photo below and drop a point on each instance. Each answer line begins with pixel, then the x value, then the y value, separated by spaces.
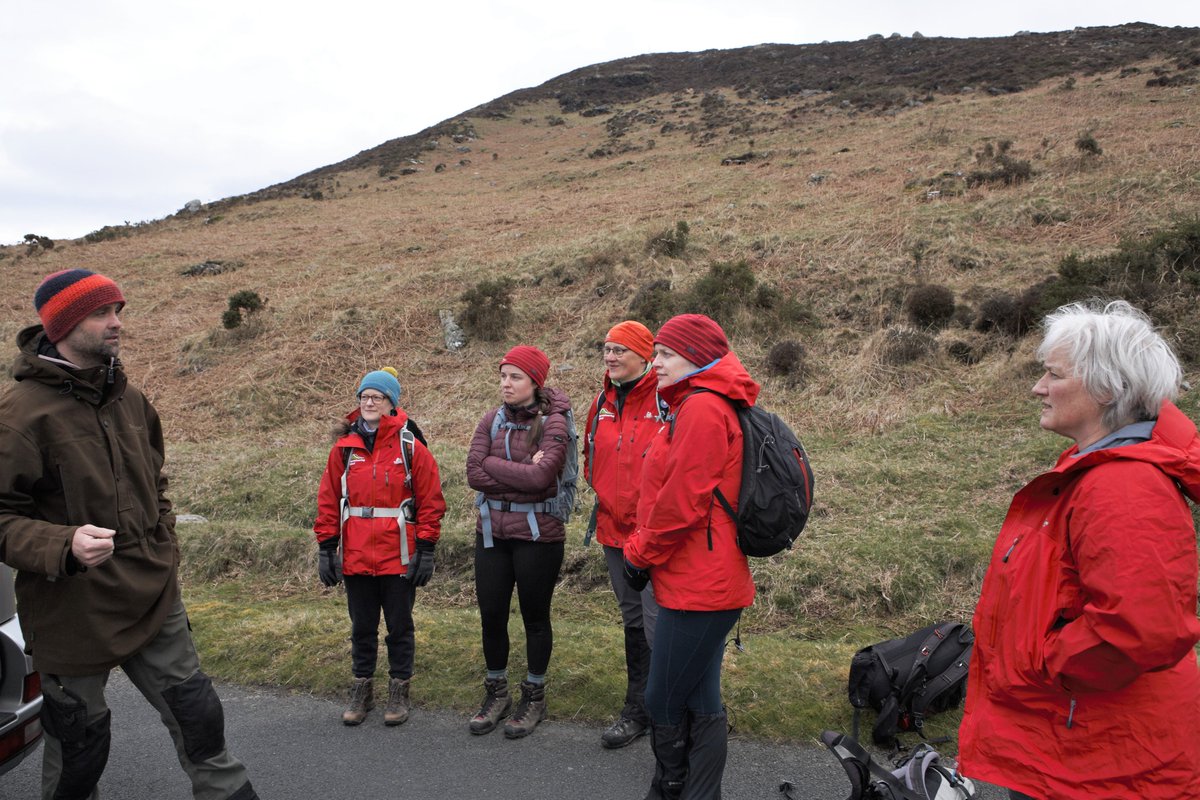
pixel 85 522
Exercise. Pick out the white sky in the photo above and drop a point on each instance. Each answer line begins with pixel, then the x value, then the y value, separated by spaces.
pixel 116 111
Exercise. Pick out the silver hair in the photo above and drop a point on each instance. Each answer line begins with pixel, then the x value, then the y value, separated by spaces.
pixel 1124 364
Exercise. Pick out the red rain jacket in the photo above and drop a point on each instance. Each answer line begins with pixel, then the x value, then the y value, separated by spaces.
pixel 376 478
pixel 1083 682
pixel 615 452
pixel 677 515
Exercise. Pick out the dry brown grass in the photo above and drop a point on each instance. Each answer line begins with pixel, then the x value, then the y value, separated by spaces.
pixel 355 280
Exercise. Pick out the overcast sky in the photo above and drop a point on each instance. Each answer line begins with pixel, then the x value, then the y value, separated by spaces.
pixel 116 111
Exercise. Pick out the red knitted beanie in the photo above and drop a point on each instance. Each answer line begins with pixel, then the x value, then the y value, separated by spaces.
pixel 530 360
pixel 696 337
pixel 64 298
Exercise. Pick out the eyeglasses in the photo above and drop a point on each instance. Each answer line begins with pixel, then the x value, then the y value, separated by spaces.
pixel 373 399
pixel 610 350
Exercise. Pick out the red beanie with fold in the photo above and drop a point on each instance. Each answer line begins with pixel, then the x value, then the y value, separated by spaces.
pixel 696 337
pixel 530 360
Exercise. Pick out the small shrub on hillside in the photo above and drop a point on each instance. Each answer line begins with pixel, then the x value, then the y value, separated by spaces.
pixel 773 310
pixel 553 120
pixel 243 306
pixel 899 346
pixel 788 360
pixel 1142 269
pixel 997 166
pixel 671 242
pixel 1087 144
pixel 962 352
pixel 1003 312
pixel 35 243
pixel 106 233
pixel 722 291
pixel 930 305
pixel 489 311
pixel 654 304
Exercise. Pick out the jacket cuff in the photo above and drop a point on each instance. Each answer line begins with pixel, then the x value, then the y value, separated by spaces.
pixel 329 544
pixel 426 545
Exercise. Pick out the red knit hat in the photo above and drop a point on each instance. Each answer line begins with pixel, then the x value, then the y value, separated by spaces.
pixel 530 360
pixel 634 335
pixel 64 298
pixel 695 337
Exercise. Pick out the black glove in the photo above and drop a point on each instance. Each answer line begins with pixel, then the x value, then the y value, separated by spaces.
pixel 329 566
pixel 636 577
pixel 420 566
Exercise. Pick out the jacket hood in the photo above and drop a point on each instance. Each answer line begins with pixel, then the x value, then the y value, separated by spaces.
pixel 39 361
pixel 1173 447
pixel 389 424
pixel 727 377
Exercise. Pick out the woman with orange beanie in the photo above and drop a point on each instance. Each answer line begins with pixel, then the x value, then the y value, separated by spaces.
pixel 621 423
pixel 514 462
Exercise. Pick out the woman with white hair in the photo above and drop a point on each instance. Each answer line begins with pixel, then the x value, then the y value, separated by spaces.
pixel 1083 682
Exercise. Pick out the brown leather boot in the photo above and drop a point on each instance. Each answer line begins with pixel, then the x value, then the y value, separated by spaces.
pixel 496 704
pixel 362 700
pixel 396 712
pixel 531 710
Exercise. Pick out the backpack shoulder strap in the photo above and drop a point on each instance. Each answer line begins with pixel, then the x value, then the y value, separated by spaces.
pixel 407 443
pixel 497 421
pixel 591 441
pixel 417 432
pixel 938 637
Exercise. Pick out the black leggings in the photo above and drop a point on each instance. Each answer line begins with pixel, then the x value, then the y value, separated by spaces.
pixel 532 567
pixel 366 596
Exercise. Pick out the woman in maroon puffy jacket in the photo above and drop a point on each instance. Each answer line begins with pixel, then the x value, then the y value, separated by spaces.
pixel 1083 682
pixel 514 463
pixel 686 544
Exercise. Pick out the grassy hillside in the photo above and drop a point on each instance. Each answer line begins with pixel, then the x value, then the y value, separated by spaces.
pixel 919 434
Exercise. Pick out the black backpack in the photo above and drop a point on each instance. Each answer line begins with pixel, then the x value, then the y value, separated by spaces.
pixel 910 678
pixel 777 482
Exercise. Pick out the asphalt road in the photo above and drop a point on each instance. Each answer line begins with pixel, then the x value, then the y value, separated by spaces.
pixel 296 747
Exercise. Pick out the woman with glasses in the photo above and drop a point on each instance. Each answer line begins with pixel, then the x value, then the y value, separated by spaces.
pixel 516 457
pixel 379 516
pixel 621 423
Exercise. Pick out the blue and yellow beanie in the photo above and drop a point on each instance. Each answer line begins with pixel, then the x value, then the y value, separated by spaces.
pixel 383 381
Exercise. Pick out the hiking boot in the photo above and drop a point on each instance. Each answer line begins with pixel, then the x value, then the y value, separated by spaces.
pixel 362 700
pixel 496 705
pixel 396 711
pixel 623 732
pixel 531 709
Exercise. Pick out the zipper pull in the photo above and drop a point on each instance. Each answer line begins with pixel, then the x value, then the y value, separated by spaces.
pixel 1071 714
pixel 1011 547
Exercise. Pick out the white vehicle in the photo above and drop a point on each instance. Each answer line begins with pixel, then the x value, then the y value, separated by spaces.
pixel 20 686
